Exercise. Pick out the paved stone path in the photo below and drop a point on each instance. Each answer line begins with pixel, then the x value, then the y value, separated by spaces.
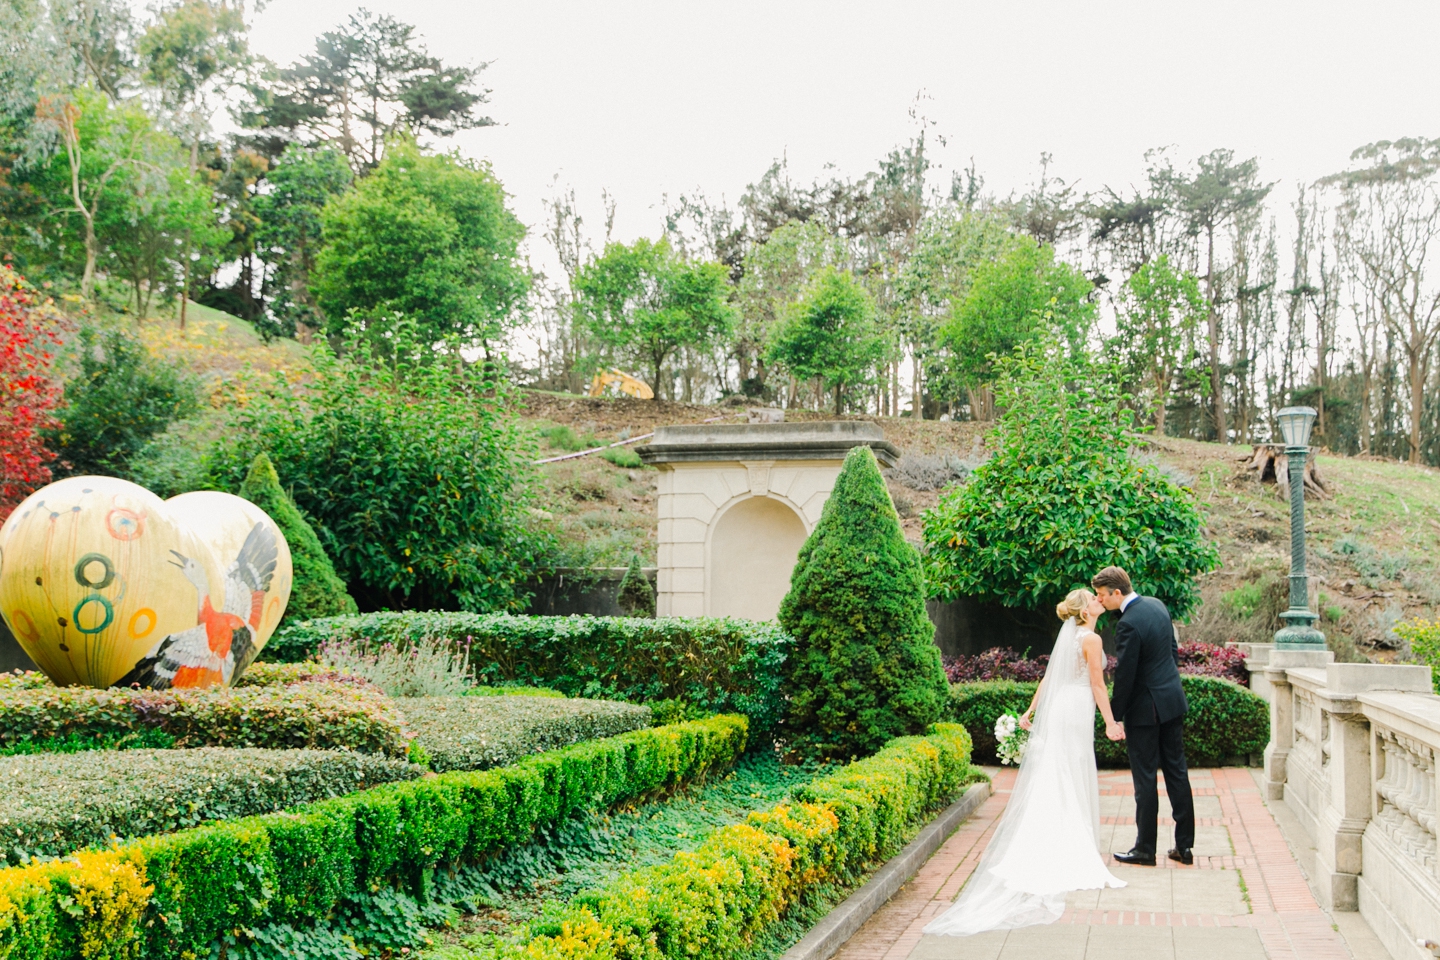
pixel 1245 898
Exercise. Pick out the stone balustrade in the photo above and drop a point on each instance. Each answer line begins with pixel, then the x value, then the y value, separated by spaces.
pixel 1352 753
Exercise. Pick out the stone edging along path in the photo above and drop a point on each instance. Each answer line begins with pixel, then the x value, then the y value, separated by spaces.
pixel 840 924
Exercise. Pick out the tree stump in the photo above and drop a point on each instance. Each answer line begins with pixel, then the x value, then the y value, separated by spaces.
pixel 1271 465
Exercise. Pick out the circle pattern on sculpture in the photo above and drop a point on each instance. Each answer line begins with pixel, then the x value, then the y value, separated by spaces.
pixel 24 625
pixel 82 571
pixel 150 619
pixel 125 524
pixel 104 604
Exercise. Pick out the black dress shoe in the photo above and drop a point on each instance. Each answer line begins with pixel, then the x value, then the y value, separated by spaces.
pixel 1183 856
pixel 1137 858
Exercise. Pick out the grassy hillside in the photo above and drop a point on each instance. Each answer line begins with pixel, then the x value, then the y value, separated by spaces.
pixel 1374 543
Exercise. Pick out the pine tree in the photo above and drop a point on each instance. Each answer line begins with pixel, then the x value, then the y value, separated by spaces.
pixel 317 591
pixel 636 597
pixel 865 667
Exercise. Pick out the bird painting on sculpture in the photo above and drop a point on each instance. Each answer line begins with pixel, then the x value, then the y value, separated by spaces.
pixel 221 644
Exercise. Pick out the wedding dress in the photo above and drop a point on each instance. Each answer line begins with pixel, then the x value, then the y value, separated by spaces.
pixel 1047 841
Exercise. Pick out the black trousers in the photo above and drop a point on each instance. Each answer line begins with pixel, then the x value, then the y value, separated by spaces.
pixel 1160 747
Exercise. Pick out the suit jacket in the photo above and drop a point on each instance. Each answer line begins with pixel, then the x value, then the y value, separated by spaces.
pixel 1147 688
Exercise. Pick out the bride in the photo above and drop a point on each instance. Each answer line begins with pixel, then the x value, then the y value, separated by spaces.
pixel 1047 841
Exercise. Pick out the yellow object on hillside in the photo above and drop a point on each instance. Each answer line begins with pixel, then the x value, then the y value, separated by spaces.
pixel 103 583
pixel 623 382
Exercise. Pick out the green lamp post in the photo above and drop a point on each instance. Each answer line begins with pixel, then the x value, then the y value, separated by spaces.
pixel 1299 632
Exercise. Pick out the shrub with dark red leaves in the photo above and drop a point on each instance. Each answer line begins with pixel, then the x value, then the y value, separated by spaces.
pixel 997 663
pixel 1207 660
pixel 1002 663
pixel 29 334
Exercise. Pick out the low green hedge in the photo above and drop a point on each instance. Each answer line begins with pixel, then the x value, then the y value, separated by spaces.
pixel 301 715
pixel 53 805
pixel 474 733
pixel 180 895
pixel 718 665
pixel 707 904
pixel 1227 725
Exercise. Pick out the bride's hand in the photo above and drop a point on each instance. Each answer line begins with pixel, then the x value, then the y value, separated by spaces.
pixel 1114 731
pixel 1025 721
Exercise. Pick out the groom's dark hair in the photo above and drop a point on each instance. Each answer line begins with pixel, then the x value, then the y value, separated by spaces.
pixel 1112 578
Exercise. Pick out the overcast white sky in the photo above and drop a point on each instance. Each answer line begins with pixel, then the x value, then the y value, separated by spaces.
pixel 645 99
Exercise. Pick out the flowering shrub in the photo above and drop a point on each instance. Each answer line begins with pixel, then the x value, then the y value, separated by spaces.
pixel 1011 739
pixel 429 667
pixel 1424 639
pixel 29 334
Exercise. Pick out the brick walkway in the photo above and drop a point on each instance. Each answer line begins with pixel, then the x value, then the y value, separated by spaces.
pixel 1245 897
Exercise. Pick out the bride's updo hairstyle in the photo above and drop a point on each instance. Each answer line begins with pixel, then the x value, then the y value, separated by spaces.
pixel 1074 604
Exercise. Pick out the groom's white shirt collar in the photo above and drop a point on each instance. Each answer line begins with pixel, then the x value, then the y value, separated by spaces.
pixel 1129 599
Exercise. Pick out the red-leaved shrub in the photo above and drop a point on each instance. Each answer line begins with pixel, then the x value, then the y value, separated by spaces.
pixel 29 334
pixel 1002 663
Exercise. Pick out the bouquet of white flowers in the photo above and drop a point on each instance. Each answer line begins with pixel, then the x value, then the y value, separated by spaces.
pixel 1010 738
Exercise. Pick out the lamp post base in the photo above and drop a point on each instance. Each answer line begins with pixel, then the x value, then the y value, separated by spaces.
pixel 1300 633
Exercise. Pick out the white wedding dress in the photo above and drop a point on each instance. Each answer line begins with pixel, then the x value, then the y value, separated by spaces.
pixel 1047 841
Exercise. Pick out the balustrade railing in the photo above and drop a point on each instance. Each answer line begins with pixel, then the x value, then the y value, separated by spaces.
pixel 1353 753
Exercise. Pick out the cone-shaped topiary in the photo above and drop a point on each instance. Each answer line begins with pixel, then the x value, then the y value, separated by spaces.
pixel 317 591
pixel 636 597
pixel 865 667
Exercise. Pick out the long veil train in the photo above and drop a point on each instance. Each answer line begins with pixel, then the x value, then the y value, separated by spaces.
pixel 1046 843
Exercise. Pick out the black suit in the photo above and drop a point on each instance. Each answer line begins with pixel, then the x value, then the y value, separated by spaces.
pixel 1149 700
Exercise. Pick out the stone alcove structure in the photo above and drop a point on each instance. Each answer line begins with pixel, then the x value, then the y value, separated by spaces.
pixel 736 502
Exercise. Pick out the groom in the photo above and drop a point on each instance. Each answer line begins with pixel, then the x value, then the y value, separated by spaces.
pixel 1150 703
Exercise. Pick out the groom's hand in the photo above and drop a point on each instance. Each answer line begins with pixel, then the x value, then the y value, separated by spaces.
pixel 1114 731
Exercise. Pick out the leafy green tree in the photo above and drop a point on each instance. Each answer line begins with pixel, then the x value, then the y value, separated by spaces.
pixel 367 81
pixel 289 231
pixel 1062 497
pixel 951 246
pixel 865 667
pixel 1159 310
pixel 427 237
pixel 1014 299
pixel 118 399
pixel 151 236
pixel 413 474
pixel 829 334
pixel 1220 191
pixel 316 590
pixel 104 149
pixel 645 303
pixel 775 273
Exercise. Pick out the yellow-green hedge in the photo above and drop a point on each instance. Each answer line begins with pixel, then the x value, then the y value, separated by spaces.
pixel 707 903
pixel 173 896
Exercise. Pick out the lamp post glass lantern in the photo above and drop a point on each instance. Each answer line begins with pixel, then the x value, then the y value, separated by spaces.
pixel 1299 632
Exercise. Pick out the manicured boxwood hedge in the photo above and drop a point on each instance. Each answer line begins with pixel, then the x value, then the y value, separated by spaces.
pixel 1227 724
pixel 177 895
pixel 55 804
pixel 300 715
pixel 475 733
pixel 706 904
pixel 716 664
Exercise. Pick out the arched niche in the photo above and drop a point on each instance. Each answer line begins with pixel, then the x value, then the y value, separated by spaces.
pixel 753 547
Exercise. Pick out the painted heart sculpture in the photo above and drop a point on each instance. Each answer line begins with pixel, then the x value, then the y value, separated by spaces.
pixel 103 583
